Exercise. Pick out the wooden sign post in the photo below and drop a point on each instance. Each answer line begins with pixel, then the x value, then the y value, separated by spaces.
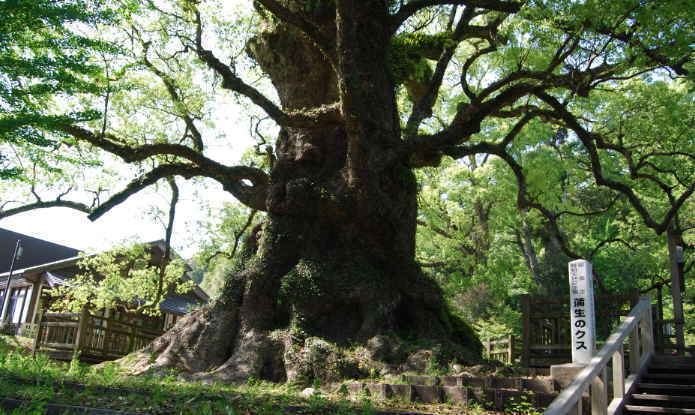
pixel 582 311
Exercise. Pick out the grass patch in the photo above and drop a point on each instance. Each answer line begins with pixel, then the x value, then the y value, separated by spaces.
pixel 43 380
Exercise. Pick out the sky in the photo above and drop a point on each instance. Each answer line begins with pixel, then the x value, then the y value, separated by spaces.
pixel 127 222
pixel 130 221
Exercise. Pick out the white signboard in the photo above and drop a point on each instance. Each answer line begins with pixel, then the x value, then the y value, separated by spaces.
pixel 582 317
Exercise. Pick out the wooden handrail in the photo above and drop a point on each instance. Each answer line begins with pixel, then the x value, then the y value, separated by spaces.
pixel 61 315
pixel 640 316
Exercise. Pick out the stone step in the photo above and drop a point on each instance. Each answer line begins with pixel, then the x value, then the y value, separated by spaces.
pixel 652 385
pixel 667 368
pixel 672 360
pixel 661 399
pixel 458 395
pixel 635 409
pixel 676 378
pixel 535 385
pixel 674 389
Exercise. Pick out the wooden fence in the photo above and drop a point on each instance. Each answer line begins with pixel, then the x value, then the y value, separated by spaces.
pixel 546 336
pixel 546 323
pixel 94 338
pixel 506 350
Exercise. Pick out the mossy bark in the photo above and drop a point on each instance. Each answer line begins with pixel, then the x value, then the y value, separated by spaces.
pixel 335 257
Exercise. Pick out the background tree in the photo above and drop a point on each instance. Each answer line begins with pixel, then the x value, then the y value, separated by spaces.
pixel 223 252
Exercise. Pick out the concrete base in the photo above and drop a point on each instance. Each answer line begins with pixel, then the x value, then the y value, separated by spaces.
pixel 564 374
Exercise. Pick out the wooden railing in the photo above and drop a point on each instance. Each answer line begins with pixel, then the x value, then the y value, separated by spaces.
pixel 637 329
pixel 97 337
pixel 502 349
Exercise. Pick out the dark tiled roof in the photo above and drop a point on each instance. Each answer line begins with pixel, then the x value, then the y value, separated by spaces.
pixel 53 280
pixel 66 273
pixel 179 304
pixel 36 251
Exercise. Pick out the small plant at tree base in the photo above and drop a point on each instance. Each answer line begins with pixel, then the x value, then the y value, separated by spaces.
pixel 476 408
pixel 252 381
pixel 317 401
pixel 34 407
pixel 522 406
pixel 76 368
pixel 368 407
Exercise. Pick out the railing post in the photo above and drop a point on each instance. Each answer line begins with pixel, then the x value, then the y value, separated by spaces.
pixel 619 372
pixel 580 405
pixel 488 349
pixel 510 350
pixel 81 329
pixel 526 334
pixel 659 326
pixel 647 329
pixel 37 336
pixel 599 395
pixel 634 351
pixel 131 339
pixel 107 332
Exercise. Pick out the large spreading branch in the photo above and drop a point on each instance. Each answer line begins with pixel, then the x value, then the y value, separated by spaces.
pixel 40 204
pixel 196 165
pixel 423 108
pixel 327 114
pixel 415 6
pixel 496 97
pixel 466 122
pixel 231 179
pixel 592 143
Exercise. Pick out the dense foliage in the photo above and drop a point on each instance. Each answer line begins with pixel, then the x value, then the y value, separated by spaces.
pixel 44 59
pixel 129 277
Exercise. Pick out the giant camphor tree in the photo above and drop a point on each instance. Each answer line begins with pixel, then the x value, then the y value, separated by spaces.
pixel 362 97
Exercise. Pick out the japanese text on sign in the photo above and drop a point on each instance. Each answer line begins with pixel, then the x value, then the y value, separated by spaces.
pixel 582 323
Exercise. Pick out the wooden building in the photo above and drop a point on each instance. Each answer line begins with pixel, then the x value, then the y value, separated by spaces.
pixel 46 265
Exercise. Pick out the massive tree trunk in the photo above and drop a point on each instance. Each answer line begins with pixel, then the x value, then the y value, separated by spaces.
pixel 334 262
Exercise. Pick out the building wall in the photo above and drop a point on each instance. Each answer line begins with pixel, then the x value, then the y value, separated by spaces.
pixel 17 308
